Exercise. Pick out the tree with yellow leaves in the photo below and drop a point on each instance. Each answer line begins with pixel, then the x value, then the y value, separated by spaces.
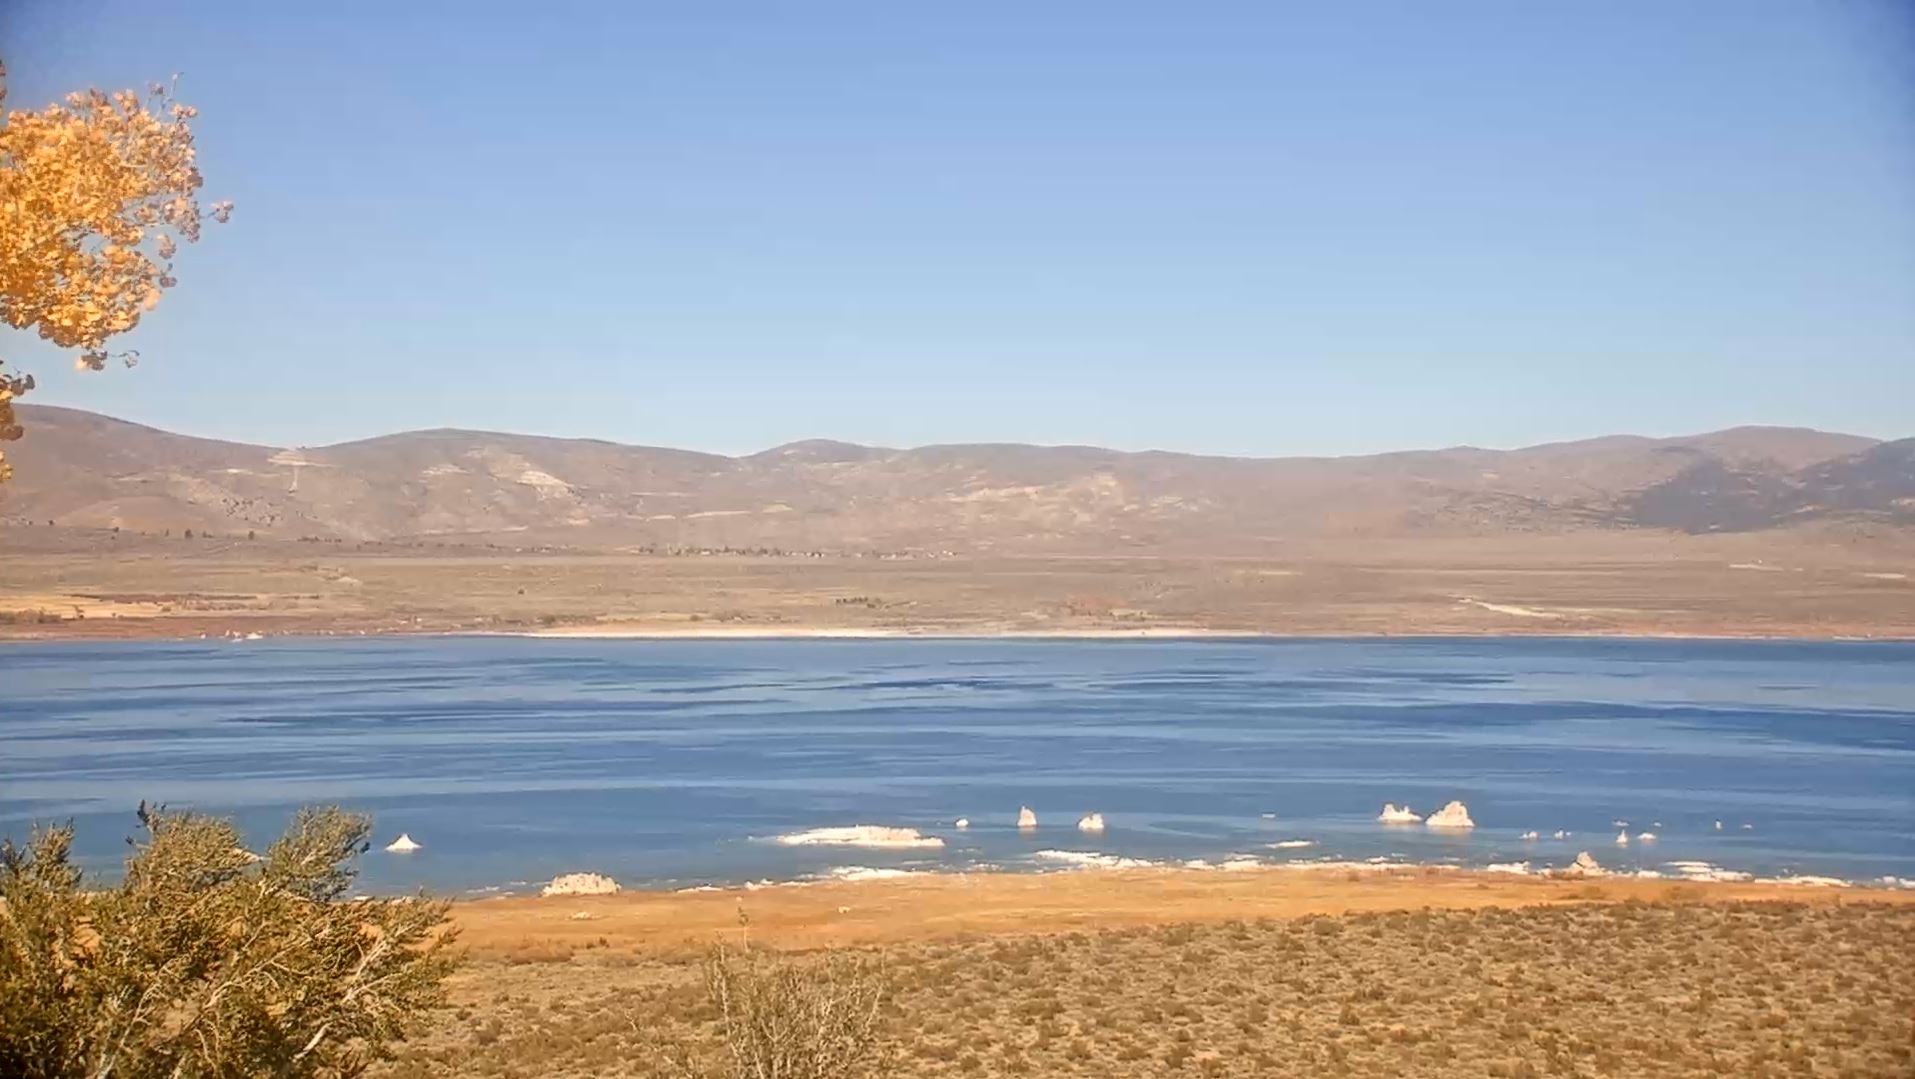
pixel 96 194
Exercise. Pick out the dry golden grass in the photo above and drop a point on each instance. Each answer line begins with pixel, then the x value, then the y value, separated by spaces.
pixel 106 585
pixel 1648 989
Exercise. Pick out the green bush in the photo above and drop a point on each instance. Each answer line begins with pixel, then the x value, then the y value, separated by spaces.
pixel 207 960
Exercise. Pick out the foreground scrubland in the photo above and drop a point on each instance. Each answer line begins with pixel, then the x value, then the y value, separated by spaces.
pixel 1744 988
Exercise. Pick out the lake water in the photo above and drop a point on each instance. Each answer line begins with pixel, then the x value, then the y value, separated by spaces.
pixel 678 762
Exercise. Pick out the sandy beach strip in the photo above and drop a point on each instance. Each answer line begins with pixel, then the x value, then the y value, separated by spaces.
pixel 934 906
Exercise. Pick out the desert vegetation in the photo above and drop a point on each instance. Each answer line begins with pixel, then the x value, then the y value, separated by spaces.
pixel 209 960
pixel 1645 989
pixel 779 1019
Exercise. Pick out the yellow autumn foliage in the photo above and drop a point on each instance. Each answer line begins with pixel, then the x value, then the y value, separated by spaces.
pixel 96 193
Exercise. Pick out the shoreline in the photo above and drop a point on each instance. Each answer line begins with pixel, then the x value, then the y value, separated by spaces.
pixel 946 906
pixel 1057 862
pixel 1155 633
pixel 680 632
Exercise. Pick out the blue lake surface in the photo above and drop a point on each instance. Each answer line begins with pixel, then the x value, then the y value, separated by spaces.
pixel 678 762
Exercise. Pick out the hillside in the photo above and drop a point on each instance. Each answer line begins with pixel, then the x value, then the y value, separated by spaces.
pixel 85 470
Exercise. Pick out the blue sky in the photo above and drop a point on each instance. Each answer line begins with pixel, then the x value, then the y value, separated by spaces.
pixel 1251 228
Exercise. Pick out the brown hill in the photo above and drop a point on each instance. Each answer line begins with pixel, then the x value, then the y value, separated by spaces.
pixel 83 469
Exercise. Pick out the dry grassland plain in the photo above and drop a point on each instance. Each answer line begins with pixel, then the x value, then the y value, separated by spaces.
pixel 1149 973
pixel 89 584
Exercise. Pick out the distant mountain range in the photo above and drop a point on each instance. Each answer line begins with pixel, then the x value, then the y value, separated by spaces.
pixel 82 469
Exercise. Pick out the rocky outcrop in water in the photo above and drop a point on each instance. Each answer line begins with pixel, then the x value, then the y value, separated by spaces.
pixel 1454 815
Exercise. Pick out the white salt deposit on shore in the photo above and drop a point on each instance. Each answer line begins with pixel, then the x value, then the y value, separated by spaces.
pixel 1236 863
pixel 1454 815
pixel 1509 608
pixel 863 835
pixel 865 872
pixel 580 884
pixel 1584 866
pixel 1813 882
pixel 402 845
pixel 1704 871
pixel 1085 859
pixel 1392 815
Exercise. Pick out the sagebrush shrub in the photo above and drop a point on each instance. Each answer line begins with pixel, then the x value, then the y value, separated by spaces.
pixel 783 1018
pixel 207 960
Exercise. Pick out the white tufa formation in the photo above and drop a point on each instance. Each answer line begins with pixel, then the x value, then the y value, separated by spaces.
pixel 1393 815
pixel 963 823
pixel 1091 822
pixel 1454 815
pixel 1026 818
pixel 581 884
pixel 402 845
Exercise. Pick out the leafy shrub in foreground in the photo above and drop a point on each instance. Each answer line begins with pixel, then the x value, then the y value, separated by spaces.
pixel 207 960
